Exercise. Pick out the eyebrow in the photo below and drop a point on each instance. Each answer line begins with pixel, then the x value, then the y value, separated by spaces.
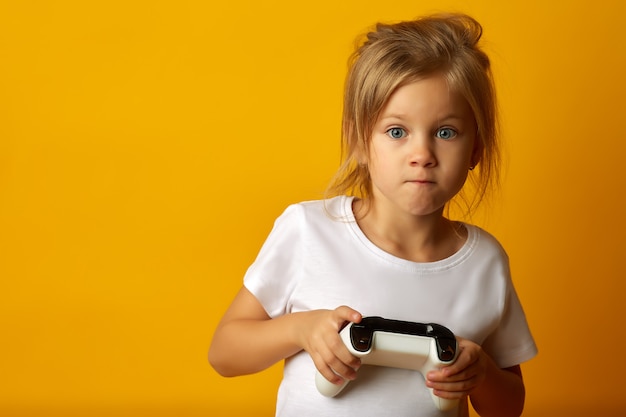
pixel 402 116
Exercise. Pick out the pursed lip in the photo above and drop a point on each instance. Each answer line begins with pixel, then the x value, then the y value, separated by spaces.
pixel 421 181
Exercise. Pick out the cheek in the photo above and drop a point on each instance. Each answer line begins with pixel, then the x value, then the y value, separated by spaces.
pixel 378 164
pixel 463 157
pixel 459 176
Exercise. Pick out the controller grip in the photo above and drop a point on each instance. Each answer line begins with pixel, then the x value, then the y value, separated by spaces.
pixel 444 404
pixel 327 388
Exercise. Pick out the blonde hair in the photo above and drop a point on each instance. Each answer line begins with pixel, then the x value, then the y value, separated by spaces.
pixel 396 54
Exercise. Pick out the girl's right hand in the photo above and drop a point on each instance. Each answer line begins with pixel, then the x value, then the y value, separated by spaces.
pixel 316 332
pixel 318 335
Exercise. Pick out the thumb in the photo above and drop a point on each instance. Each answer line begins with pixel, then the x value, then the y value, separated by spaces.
pixel 347 314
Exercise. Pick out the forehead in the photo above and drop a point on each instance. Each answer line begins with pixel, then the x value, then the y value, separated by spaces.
pixel 426 97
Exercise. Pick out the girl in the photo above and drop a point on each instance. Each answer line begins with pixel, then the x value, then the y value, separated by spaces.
pixel 419 116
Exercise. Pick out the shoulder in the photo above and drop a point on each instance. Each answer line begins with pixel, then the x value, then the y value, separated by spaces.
pixel 484 241
pixel 485 254
pixel 335 208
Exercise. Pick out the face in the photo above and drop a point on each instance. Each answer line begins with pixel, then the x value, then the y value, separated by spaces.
pixel 421 148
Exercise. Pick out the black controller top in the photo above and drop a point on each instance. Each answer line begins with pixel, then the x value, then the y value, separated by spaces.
pixel 362 334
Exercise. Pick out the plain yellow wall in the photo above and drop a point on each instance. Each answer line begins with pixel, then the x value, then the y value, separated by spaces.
pixel 147 146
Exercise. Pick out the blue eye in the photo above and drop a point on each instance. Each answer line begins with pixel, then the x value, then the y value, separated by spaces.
pixel 445 133
pixel 396 133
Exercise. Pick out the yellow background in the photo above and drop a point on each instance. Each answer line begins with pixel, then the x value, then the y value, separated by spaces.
pixel 147 146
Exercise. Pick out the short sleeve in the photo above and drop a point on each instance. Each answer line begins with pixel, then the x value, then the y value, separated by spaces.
pixel 272 275
pixel 512 343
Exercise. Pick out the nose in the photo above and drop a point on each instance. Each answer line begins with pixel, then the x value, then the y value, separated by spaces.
pixel 421 152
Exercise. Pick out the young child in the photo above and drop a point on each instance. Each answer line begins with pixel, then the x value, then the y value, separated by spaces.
pixel 419 116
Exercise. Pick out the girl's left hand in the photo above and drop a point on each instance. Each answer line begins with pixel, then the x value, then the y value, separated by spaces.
pixel 464 375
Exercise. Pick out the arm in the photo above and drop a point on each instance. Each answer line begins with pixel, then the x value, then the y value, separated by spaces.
pixel 247 340
pixel 494 392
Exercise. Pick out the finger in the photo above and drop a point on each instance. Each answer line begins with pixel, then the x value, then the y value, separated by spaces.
pixel 340 358
pixel 333 368
pixel 451 390
pixel 327 372
pixel 450 374
pixel 446 373
pixel 450 395
pixel 345 314
pixel 344 370
pixel 466 362
pixel 457 372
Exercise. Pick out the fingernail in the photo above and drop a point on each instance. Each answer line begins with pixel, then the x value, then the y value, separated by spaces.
pixel 338 380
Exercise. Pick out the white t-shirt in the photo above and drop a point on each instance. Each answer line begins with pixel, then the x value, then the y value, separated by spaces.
pixel 316 257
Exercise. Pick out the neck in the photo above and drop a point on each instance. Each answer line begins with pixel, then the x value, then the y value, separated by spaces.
pixel 416 238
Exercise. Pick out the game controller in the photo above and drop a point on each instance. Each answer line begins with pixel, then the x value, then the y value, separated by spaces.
pixel 397 344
